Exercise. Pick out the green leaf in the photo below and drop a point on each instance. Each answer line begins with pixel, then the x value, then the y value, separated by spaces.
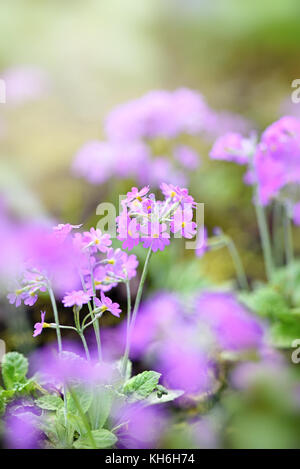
pixel 100 406
pixel 84 397
pixel 14 369
pixel 284 333
pixel 142 384
pixel 103 439
pixel 49 402
pixel 154 397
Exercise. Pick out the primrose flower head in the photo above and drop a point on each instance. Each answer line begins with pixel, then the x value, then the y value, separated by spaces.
pixel 95 240
pixel 149 221
pixel 39 326
pixel 76 298
pixel 106 304
pixel 233 147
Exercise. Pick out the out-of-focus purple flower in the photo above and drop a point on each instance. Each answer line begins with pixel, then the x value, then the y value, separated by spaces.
pixel 24 83
pixel 76 298
pixel 233 326
pixel 70 366
pixel 233 147
pixel 61 231
pixel 276 161
pixel 296 214
pixel 21 432
pixel 38 327
pixel 106 304
pixel 186 156
pixel 162 169
pixel 151 324
pixel 248 374
pixel 95 162
pixel 142 426
pixel 182 362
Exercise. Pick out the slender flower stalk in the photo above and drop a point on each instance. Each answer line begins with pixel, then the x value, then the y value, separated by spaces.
pixel 95 323
pixel 277 233
pixel 135 309
pixel 265 239
pixel 126 354
pixel 240 272
pixel 56 318
pixel 85 346
pixel 289 250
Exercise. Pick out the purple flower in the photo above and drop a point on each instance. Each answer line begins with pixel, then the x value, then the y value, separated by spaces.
pixel 76 298
pixel 94 161
pixel 21 432
pixel 16 298
pixel 155 234
pixel 232 147
pixel 130 264
pixel 97 240
pixel 233 326
pixel 24 83
pixel 276 162
pixel 182 222
pixel 128 231
pixel 183 363
pixel 38 327
pixel 106 304
pixel 177 194
pixel 140 427
pixel 61 231
pixel 135 193
pixel 186 156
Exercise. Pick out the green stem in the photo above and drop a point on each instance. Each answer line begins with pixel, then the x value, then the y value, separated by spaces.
pixel 85 346
pixel 126 353
pixel 289 250
pixel 95 323
pixel 277 233
pixel 55 312
pixel 240 272
pixel 59 342
pixel 83 418
pixel 136 304
pixel 265 239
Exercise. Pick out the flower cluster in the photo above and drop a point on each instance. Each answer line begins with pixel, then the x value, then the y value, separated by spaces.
pixel 75 266
pixel 149 221
pixel 273 163
pixel 132 129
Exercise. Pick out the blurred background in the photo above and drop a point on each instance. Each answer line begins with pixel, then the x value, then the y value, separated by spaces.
pixel 68 63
